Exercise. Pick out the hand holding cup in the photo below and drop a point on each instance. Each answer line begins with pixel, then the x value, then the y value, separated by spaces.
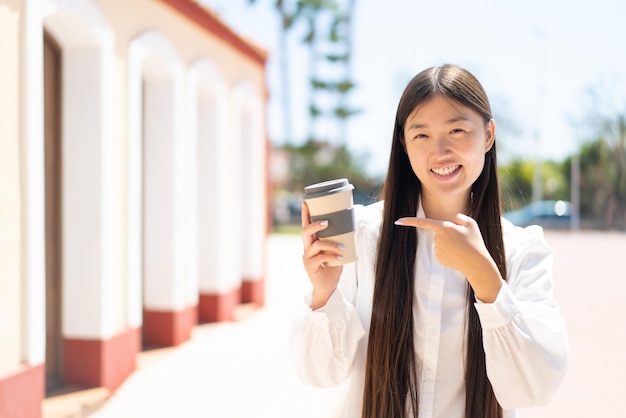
pixel 317 255
pixel 327 235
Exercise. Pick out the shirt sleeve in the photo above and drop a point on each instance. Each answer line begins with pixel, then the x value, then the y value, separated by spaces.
pixel 324 342
pixel 524 334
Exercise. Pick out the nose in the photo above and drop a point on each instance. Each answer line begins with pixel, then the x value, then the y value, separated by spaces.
pixel 442 145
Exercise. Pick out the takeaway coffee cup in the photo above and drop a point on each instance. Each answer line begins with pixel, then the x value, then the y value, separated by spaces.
pixel 332 201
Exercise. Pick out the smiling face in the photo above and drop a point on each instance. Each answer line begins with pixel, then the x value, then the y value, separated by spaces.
pixel 446 144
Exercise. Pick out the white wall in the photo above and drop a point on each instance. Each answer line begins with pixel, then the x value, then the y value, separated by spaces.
pixel 10 198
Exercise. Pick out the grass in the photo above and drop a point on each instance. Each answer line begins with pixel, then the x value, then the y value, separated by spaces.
pixel 287 229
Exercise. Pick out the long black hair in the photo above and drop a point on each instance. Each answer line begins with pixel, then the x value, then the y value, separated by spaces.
pixel 391 365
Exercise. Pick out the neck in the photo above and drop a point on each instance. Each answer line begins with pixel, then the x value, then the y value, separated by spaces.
pixel 445 208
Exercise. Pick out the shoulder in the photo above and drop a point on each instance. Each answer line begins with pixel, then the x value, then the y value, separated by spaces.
pixel 368 217
pixel 524 246
pixel 367 222
pixel 516 237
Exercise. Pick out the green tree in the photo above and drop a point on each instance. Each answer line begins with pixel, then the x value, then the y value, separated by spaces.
pixel 556 184
pixel 329 42
pixel 315 161
pixel 602 184
pixel 288 12
pixel 602 158
pixel 516 182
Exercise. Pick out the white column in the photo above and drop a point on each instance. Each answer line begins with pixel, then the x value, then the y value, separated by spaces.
pixel 31 124
pixel 250 133
pixel 229 203
pixel 88 234
pixel 219 199
pixel 219 263
pixel 180 150
pixel 255 242
pixel 191 189
pixel 134 185
pixel 209 177
pixel 164 287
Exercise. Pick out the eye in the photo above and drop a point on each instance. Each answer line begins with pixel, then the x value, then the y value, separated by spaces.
pixel 457 131
pixel 420 136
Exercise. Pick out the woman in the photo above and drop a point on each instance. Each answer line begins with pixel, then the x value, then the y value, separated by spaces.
pixel 448 312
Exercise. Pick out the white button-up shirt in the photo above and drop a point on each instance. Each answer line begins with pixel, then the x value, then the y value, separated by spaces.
pixel 524 334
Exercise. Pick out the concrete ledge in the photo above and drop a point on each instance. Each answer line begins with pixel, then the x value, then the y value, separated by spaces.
pixel 78 404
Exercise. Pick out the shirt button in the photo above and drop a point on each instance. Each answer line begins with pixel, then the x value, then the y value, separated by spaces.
pixel 428 372
pixel 432 332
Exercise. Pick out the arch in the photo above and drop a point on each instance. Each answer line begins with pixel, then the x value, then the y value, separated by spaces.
pixel 206 92
pixel 83 22
pixel 205 70
pixel 218 278
pixel 159 196
pixel 71 30
pixel 85 15
pixel 89 228
pixel 154 43
pixel 152 61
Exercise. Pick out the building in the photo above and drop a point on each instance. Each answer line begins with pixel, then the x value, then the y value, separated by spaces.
pixel 133 186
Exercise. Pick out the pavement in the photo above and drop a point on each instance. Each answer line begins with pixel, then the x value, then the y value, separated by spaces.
pixel 242 368
pixel 232 369
pixel 590 286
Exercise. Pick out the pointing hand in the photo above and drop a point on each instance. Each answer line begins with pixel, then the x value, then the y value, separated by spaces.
pixel 459 245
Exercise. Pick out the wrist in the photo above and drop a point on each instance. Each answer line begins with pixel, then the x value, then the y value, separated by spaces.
pixel 486 282
pixel 320 297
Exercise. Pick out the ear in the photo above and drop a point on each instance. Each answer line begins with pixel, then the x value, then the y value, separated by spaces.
pixel 490 135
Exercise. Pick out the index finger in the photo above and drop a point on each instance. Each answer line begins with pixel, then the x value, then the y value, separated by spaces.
pixel 304 215
pixel 424 223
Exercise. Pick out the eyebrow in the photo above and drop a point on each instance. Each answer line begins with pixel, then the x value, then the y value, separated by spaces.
pixel 450 121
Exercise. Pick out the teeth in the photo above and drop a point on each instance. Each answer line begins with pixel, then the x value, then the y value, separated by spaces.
pixel 445 170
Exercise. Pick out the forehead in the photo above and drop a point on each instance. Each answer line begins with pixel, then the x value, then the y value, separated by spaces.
pixel 438 109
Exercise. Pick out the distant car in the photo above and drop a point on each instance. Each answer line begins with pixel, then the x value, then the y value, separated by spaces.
pixel 546 213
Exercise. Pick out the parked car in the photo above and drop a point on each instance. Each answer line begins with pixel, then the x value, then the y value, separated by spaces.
pixel 546 213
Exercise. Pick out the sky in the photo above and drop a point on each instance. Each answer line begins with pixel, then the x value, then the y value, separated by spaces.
pixel 536 59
